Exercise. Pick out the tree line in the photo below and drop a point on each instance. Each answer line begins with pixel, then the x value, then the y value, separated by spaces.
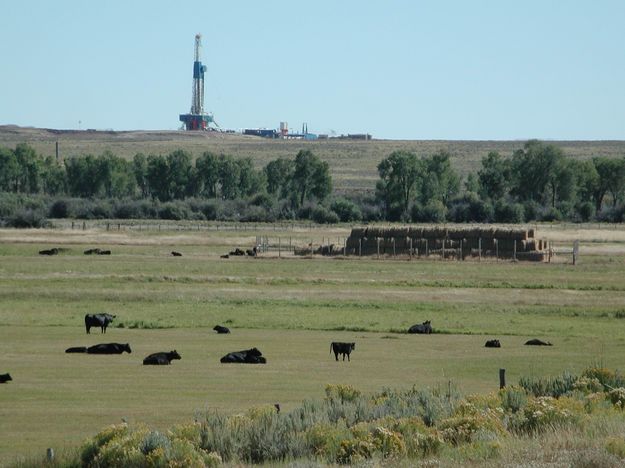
pixel 536 182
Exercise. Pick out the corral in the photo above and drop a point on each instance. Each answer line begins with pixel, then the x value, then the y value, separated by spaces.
pixel 290 308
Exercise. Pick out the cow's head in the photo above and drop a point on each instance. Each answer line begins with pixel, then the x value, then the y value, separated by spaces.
pixel 254 352
pixel 352 346
pixel 174 355
pixel 126 347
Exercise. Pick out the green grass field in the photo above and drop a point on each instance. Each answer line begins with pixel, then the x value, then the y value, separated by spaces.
pixel 291 309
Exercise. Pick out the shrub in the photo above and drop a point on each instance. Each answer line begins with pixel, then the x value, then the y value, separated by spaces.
pixel 433 212
pixel 470 208
pixel 355 450
pixel 27 218
pixel 342 393
pixel 617 397
pixel 506 212
pixel 346 210
pixel 546 412
pixel 552 386
pixel 551 214
pixel 59 209
pixel 173 210
pixel 513 398
pixel 605 376
pixel 616 446
pixel 322 215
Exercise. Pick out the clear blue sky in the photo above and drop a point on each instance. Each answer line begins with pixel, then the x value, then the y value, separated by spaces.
pixel 399 69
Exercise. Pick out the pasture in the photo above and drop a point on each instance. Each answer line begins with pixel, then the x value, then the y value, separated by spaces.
pixel 291 309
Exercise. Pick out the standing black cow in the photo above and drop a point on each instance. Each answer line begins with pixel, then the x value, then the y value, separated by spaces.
pixel 109 348
pixel 4 378
pixel 98 320
pixel 342 348
pixel 492 344
pixel 219 329
pixel 248 356
pixel 425 328
pixel 161 358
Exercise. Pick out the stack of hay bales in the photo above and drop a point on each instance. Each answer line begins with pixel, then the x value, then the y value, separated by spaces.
pixel 454 242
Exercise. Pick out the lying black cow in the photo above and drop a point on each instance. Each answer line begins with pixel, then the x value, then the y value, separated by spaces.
pixel 248 356
pixel 53 251
pixel 109 348
pixel 342 348
pixel 95 251
pixel 176 254
pixel 104 252
pixel 425 328
pixel 492 344
pixel 537 342
pixel 219 329
pixel 163 358
pixel 76 349
pixel 4 378
pixel 237 252
pixel 98 320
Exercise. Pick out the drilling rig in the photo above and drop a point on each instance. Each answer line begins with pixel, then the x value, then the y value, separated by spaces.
pixel 197 119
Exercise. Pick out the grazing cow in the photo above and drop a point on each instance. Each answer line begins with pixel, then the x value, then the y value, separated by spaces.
pixel 98 320
pixel 77 349
pixel 219 329
pixel 425 328
pixel 537 342
pixel 95 251
pixel 248 356
pixel 342 348
pixel 4 378
pixel 176 254
pixel 109 348
pixel 224 256
pixel 53 251
pixel 161 358
pixel 492 344
pixel 104 252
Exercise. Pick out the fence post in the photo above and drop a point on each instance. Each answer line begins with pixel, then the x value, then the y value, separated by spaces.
pixel 50 454
pixel 427 250
pixel 411 248
pixel 514 251
pixel 443 249
pixel 378 240
pixel 344 246
pixel 502 378
pixel 461 249
pixel 394 254
pixel 496 249
pixel 360 247
pixel 575 251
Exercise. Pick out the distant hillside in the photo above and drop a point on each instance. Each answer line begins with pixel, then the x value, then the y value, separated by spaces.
pixel 353 163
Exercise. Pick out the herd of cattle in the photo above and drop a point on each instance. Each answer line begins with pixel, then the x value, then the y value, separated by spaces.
pixel 247 356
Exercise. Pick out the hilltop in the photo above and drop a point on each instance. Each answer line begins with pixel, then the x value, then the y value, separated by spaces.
pixel 353 163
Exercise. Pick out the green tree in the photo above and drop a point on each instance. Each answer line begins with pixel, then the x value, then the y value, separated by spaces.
pixel 9 170
pixel 158 177
pixel 27 179
pixel 440 181
pixel 494 177
pixel 180 175
pixel 207 170
pixel 140 170
pixel 251 181
pixel 229 173
pixel 400 178
pixel 53 177
pixel 84 178
pixel 311 178
pixel 279 175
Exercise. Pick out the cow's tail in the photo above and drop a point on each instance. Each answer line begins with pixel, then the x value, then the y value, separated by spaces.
pixel 87 323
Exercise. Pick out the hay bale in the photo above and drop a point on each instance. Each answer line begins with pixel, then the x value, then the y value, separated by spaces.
pixel 531 233
pixel 357 232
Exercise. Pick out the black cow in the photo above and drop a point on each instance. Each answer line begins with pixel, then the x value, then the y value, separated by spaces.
pixel 98 320
pixel 492 344
pixel 4 378
pixel 176 254
pixel 224 256
pixel 248 356
pixel 52 251
pixel 76 349
pixel 342 348
pixel 425 328
pixel 104 252
pixel 95 251
pixel 237 252
pixel 161 358
pixel 219 329
pixel 109 348
pixel 537 342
